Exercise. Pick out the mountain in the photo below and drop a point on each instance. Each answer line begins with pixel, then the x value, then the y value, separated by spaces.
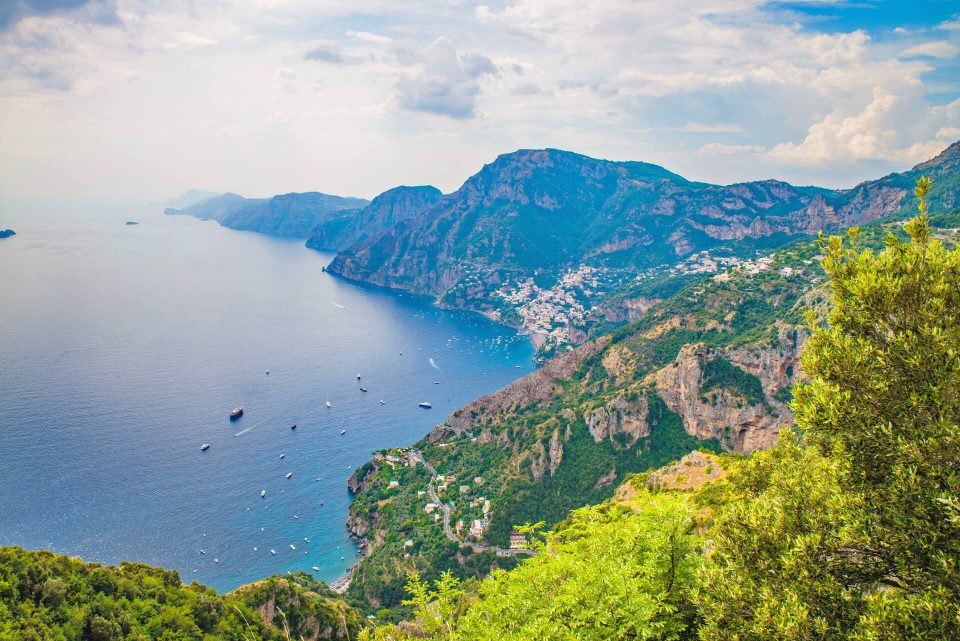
pixel 710 366
pixel 51 596
pixel 387 209
pixel 284 215
pixel 189 197
pixel 532 218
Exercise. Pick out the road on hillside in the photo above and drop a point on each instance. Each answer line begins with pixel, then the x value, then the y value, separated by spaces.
pixel 445 508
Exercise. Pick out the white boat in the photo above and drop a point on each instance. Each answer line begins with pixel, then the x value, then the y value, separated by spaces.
pixel 306 540
pixel 383 402
pixel 425 405
pixel 293 547
pixel 358 377
pixel 329 405
pixel 283 456
pixel 289 474
pixel 273 551
pixel 263 493
pixel 204 447
pixel 316 569
pixel 342 432
pixel 268 372
pixel 236 413
pixel 363 389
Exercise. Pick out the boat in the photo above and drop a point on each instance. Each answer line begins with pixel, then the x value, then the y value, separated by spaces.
pixel 363 389
pixel 342 432
pixel 273 551
pixel 289 474
pixel 329 405
pixel 383 402
pixel 203 551
pixel 321 502
pixel 293 547
pixel 268 372
pixel 283 456
pixel 204 447
pixel 306 540
pixel 316 569
pixel 358 377
pixel 236 413
pixel 263 493
pixel 425 405
pixel 293 427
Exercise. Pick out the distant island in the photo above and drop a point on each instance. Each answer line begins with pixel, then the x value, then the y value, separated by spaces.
pixel 7 233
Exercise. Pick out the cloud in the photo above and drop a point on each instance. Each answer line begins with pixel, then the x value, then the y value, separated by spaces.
pixel 325 52
pixel 698 127
pixel 366 36
pixel 444 82
pixel 12 11
pixel 188 40
pixel 933 49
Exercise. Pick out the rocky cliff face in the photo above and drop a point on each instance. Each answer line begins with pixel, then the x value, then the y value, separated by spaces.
pixel 722 414
pixel 384 211
pixel 543 211
pixel 622 420
pixel 534 387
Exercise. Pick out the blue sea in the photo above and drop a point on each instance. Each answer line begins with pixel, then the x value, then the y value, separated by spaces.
pixel 124 347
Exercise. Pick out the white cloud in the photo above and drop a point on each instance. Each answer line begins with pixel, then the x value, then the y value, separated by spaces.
pixel 187 40
pixel 933 49
pixel 366 36
pixel 445 82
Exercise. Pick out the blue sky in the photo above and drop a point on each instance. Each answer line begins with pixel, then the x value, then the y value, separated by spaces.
pixel 145 98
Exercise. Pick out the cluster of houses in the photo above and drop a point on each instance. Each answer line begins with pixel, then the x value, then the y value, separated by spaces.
pixel 551 312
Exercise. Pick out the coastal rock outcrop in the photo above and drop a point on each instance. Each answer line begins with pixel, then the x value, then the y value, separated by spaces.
pixel 721 413
pixel 539 385
pixel 622 420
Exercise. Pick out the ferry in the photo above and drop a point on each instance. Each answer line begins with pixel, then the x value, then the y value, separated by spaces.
pixel 204 447
pixel 236 413
pixel 425 405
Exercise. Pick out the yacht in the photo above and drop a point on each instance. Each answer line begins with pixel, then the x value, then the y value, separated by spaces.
pixel 425 405
pixel 204 447
pixel 236 413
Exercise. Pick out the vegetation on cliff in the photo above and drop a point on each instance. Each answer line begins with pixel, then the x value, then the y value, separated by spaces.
pixel 46 596
pixel 847 528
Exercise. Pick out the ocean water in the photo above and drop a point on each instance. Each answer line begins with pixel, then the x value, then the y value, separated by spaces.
pixel 123 349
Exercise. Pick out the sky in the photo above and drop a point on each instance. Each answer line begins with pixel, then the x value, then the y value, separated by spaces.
pixel 144 99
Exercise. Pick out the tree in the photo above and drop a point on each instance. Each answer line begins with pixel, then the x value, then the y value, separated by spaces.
pixel 858 535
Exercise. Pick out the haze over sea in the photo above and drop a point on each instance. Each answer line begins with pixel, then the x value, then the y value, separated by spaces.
pixel 123 349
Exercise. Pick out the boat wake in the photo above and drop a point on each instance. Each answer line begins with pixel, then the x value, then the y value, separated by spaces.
pixel 336 304
pixel 433 364
pixel 242 432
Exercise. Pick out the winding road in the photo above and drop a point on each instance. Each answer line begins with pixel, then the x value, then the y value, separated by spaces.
pixel 445 507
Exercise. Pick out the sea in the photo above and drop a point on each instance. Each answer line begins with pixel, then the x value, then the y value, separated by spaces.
pixel 123 349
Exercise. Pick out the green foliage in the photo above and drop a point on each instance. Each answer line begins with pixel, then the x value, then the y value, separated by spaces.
pixel 719 373
pixel 49 596
pixel 609 572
